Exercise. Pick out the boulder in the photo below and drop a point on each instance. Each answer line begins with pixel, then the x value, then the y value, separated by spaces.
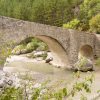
pixel 40 53
pixel 83 64
pixel 49 59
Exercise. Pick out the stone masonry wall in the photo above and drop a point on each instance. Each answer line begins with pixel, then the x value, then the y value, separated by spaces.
pixel 13 31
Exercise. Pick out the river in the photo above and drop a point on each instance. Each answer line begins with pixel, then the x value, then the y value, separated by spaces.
pixel 24 64
pixel 44 71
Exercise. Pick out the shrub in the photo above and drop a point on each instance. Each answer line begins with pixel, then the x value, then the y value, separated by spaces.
pixel 72 24
pixel 30 46
pixel 11 93
pixel 81 62
pixel 18 49
pixel 43 46
pixel 95 24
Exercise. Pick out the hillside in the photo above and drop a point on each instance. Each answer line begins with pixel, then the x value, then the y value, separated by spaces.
pixel 82 15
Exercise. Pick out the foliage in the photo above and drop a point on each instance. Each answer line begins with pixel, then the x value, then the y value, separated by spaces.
pixel 42 46
pixel 43 92
pixel 5 52
pixel 72 24
pixel 52 12
pixel 29 45
pixel 95 24
pixel 87 10
pixel 75 13
pixel 82 62
pixel 11 93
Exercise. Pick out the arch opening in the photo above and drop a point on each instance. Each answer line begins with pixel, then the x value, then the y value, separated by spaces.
pixel 56 51
pixel 86 51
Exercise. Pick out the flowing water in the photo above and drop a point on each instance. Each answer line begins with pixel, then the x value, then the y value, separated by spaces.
pixel 24 64
pixel 43 71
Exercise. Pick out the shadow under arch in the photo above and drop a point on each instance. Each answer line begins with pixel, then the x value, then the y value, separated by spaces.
pixel 59 54
pixel 86 51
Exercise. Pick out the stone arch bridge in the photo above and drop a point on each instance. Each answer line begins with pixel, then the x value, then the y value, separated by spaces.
pixel 13 31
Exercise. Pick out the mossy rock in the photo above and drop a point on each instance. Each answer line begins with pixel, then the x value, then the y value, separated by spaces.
pixel 83 64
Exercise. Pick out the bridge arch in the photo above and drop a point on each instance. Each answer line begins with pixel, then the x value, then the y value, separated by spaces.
pixel 86 51
pixel 59 54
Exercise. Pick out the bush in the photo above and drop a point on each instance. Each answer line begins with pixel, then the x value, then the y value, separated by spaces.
pixel 11 93
pixel 18 49
pixel 95 24
pixel 88 9
pixel 72 24
pixel 52 12
pixel 29 45
pixel 42 46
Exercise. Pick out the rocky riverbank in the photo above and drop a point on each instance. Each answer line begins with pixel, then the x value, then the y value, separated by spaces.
pixel 28 83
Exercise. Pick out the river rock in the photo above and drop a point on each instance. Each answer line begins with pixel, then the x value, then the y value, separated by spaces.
pixel 84 65
pixel 49 59
pixel 40 53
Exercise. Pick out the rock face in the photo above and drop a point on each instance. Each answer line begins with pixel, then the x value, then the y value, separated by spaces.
pixel 83 64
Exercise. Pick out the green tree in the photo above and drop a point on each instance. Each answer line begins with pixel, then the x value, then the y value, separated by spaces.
pixel 88 9
pixel 52 12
